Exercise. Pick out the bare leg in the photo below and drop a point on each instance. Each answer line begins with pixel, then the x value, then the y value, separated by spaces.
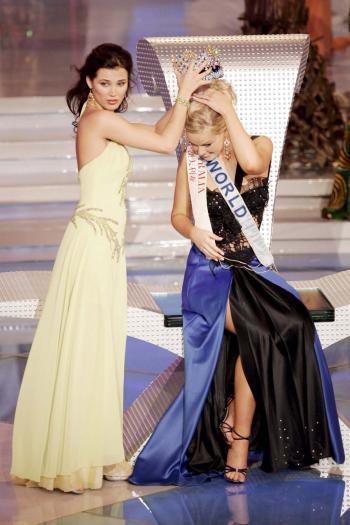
pixel 229 420
pixel 243 412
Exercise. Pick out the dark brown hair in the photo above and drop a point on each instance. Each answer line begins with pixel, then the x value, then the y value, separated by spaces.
pixel 104 55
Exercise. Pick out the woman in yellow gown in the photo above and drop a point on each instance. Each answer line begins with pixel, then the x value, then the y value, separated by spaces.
pixel 68 429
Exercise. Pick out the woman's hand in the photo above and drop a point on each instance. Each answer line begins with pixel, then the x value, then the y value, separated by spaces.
pixel 191 79
pixel 205 242
pixel 219 101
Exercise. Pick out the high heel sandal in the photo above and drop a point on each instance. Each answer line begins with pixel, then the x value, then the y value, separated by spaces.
pixel 229 469
pixel 224 427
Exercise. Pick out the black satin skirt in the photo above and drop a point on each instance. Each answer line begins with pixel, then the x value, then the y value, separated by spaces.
pixel 275 340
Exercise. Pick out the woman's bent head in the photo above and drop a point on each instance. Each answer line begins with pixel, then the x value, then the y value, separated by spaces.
pixel 106 72
pixel 205 128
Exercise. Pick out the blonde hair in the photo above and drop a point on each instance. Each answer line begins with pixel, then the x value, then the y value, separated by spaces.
pixel 201 116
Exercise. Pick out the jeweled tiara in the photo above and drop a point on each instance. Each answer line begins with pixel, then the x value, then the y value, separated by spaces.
pixel 211 55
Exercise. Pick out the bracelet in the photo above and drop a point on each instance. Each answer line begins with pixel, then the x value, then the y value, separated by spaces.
pixel 183 101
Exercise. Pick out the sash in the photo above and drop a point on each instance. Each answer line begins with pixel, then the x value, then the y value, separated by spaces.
pixel 197 181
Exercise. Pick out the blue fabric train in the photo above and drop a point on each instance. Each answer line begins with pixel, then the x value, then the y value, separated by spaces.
pixel 205 295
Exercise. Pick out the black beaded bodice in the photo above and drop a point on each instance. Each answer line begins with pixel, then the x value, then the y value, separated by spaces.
pixel 255 193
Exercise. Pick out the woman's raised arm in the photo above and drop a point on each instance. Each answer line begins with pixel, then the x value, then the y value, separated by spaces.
pixel 254 156
pixel 162 140
pixel 181 215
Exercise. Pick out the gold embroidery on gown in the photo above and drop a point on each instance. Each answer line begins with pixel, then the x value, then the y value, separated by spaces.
pixel 105 225
pixel 69 417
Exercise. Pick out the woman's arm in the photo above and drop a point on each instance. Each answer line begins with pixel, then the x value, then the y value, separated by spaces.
pixel 159 126
pixel 181 217
pixel 254 156
pixel 110 126
pixel 163 121
pixel 114 127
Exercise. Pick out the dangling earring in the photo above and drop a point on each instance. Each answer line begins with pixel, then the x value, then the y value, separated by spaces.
pixel 123 106
pixel 91 101
pixel 184 143
pixel 227 149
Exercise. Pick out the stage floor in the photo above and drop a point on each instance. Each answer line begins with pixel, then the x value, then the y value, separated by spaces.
pixel 40 42
pixel 288 498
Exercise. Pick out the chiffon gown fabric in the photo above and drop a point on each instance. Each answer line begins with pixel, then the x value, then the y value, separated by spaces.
pixel 69 416
pixel 295 422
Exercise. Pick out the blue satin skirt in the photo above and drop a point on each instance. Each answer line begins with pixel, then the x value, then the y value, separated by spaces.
pixel 296 420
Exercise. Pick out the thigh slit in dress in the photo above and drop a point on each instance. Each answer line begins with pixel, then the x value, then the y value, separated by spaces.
pixel 295 422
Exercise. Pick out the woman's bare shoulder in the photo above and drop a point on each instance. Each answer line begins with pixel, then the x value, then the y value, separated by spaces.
pixel 99 118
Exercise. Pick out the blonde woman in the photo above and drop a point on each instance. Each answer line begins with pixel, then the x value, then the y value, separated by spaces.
pixel 256 382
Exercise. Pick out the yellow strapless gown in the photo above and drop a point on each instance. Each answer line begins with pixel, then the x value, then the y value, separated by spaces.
pixel 68 428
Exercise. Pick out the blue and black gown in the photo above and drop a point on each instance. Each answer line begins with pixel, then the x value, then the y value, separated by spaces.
pixel 295 422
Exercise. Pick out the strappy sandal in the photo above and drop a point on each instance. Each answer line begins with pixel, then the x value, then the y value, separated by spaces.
pixel 228 469
pixel 224 427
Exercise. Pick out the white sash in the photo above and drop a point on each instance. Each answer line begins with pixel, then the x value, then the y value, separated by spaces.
pixel 197 180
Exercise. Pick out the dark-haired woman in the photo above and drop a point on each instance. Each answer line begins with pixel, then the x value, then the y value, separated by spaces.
pixel 68 423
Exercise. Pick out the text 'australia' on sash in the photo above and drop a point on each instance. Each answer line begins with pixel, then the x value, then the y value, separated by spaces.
pixel 199 177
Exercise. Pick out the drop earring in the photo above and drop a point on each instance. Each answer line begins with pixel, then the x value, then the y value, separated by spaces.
pixel 91 101
pixel 184 143
pixel 227 149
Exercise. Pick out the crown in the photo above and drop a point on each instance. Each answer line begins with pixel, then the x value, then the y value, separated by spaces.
pixel 211 55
